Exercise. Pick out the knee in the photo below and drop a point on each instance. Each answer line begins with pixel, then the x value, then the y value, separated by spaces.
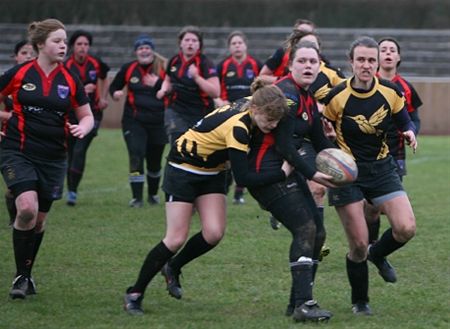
pixel 405 232
pixel 213 236
pixel 174 243
pixel 358 251
pixel 26 213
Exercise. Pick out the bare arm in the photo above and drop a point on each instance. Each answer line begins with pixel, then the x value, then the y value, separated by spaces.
pixel 166 88
pixel 85 121
pixel 211 86
pixel 102 87
pixel 267 74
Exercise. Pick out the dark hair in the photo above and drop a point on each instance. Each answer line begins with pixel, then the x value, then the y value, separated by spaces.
pixel 362 41
pixel 38 31
pixel 236 33
pixel 296 36
pixel 191 29
pixel 80 33
pixel 391 39
pixel 301 21
pixel 269 99
pixel 19 46
pixel 302 44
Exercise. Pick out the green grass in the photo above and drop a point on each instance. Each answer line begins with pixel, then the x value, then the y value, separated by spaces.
pixel 93 251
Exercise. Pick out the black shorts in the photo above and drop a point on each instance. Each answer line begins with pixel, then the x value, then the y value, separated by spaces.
pixel 268 194
pixel 377 181
pixel 181 185
pixel 22 173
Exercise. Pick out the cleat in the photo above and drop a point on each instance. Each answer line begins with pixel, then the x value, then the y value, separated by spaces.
pixel 153 200
pixel 19 287
pixel 135 203
pixel 385 269
pixel 238 201
pixel 132 302
pixel 361 308
pixel 310 311
pixel 71 198
pixel 274 223
pixel 324 252
pixel 31 290
pixel 289 310
pixel 172 281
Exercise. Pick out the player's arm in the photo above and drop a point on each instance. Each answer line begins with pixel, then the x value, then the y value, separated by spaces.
pixel 85 121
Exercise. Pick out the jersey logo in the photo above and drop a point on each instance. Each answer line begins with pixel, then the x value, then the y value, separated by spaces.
pixel 173 69
pixel 231 74
pixel 92 74
pixel 290 102
pixel 369 126
pixel 63 91
pixel 134 80
pixel 305 116
pixel 250 74
pixel 29 87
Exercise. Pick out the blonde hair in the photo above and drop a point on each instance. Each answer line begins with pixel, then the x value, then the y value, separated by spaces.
pixel 38 31
pixel 159 63
pixel 269 99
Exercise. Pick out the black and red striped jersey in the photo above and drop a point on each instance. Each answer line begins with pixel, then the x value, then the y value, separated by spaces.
pixel 278 62
pixel 267 151
pixel 41 105
pixel 141 103
pixel 235 78
pixel 395 139
pixel 187 98
pixel 90 71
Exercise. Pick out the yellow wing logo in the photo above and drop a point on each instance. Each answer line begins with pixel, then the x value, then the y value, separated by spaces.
pixel 369 126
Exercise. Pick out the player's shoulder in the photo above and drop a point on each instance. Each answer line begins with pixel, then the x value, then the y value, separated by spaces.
pixel 389 85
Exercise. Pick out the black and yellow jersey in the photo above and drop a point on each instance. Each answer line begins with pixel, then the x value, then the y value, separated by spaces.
pixel 203 149
pixel 362 118
pixel 327 78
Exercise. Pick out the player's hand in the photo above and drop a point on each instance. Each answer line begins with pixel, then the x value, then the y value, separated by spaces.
pixel 411 139
pixel 150 79
pixel 90 88
pixel 102 103
pixel 76 130
pixel 287 168
pixel 328 129
pixel 117 95
pixel 323 179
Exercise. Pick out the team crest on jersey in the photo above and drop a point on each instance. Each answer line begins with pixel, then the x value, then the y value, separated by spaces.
pixel 63 91
pixel 212 71
pixel 250 74
pixel 173 69
pixel 10 173
pixel 231 74
pixel 134 80
pixel 29 87
pixel 305 116
pixel 92 74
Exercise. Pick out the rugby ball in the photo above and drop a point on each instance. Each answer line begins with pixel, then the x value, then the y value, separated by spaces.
pixel 337 163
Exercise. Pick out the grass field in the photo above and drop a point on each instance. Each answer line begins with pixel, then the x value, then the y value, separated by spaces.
pixel 93 251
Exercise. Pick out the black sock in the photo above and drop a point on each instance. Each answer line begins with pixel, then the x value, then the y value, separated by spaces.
pixel 238 192
pixel 152 185
pixel 73 179
pixel 153 263
pixel 137 190
pixel 320 210
pixel 374 230
pixel 37 244
pixel 358 276
pixel 385 246
pixel 302 282
pixel 195 247
pixel 23 243
pixel 314 269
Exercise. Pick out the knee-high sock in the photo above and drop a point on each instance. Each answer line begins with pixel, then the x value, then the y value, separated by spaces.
pixel 155 260
pixel 23 243
pixel 386 245
pixel 195 247
pixel 374 230
pixel 301 272
pixel 358 276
